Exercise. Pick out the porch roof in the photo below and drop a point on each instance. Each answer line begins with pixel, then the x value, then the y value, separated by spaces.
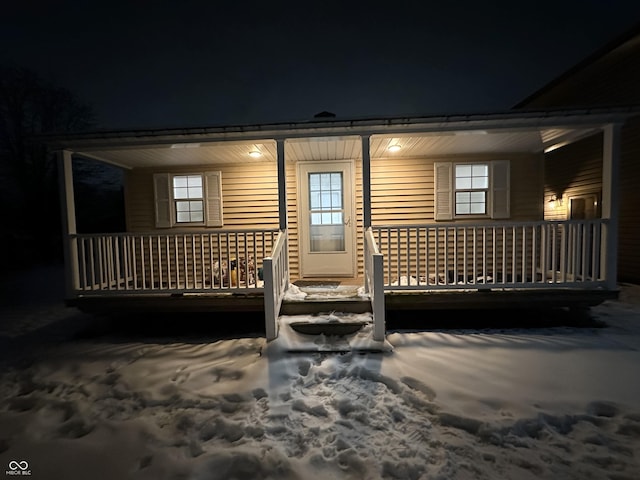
pixel 335 138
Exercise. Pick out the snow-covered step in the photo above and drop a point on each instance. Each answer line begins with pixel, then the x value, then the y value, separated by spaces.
pixel 309 300
pixel 328 332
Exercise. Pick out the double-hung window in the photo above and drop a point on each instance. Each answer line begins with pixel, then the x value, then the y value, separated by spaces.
pixel 188 198
pixel 193 199
pixel 466 190
pixel 471 188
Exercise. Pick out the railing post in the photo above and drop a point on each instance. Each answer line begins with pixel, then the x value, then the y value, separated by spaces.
pixel 282 185
pixel 270 316
pixel 379 323
pixel 68 214
pixel 374 284
pixel 366 181
pixel 276 282
pixel 610 202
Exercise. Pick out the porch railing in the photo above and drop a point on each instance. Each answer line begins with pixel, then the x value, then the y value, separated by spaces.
pixel 202 261
pixel 276 282
pixel 374 273
pixel 508 255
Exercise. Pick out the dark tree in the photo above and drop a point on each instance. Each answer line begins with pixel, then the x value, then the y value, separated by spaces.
pixel 30 107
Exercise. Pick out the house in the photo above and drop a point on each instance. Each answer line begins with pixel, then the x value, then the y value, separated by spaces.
pixel 426 212
pixel 608 77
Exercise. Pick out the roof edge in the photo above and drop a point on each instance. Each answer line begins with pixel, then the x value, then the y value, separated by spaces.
pixel 377 125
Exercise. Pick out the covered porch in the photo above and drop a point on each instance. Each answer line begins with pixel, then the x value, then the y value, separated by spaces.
pixel 404 258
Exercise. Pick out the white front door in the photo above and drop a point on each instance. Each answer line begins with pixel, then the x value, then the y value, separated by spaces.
pixel 326 219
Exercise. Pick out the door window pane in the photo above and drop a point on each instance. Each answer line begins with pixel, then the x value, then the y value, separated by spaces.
pixel 327 238
pixel 325 198
pixel 326 215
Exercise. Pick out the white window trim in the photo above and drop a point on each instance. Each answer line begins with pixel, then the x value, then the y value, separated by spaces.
pixel 498 198
pixel 487 192
pixel 164 201
pixel 174 201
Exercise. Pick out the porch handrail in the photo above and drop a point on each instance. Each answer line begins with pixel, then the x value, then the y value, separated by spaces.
pixel 374 283
pixel 531 254
pixel 276 283
pixel 181 261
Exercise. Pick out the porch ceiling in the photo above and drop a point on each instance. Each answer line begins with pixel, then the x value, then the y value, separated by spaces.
pixel 432 144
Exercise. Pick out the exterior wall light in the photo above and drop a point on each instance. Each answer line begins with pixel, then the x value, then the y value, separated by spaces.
pixel 555 201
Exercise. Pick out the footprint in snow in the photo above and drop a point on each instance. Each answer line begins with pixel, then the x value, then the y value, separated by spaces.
pixel 180 376
pixel 415 384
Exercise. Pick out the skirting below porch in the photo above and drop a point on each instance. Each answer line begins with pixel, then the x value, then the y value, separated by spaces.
pixel 394 301
pixel 497 299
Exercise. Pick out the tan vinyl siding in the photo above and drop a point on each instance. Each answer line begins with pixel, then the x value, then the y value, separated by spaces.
pixel 629 226
pixel 249 196
pixel 572 171
pixel 250 200
pixel 613 78
pixel 359 219
pixel 402 193
pixel 402 190
pixel 292 220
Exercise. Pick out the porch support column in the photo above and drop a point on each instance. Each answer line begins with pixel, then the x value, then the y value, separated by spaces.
pixel 68 216
pixel 611 201
pixel 282 185
pixel 366 181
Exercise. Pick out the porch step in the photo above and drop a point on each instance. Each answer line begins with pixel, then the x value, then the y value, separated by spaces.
pixel 290 307
pixel 328 332
pixel 327 328
pixel 313 299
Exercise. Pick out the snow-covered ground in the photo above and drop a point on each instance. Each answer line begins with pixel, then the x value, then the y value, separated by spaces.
pixel 80 400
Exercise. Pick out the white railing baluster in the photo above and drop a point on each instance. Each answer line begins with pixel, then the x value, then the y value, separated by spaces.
pixel 484 257
pixel 514 255
pixel 152 277
pixel 455 255
pixel 104 274
pixel 408 253
pixel 82 263
pixel 494 257
pixel 115 251
pixel 523 261
pixel 176 262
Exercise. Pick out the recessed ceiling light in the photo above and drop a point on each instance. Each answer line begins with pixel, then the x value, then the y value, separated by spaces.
pixel 394 148
pixel 255 153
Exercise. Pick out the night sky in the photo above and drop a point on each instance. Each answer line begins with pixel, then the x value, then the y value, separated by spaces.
pixel 185 63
